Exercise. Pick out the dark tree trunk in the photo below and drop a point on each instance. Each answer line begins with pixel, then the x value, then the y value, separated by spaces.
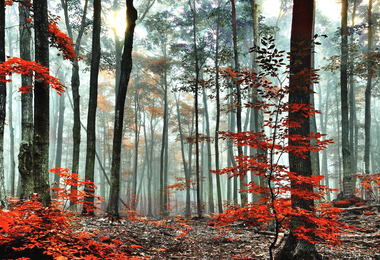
pixel 217 124
pixel 301 36
pixel 367 124
pixel 3 101
pixel 93 101
pixel 348 189
pixel 193 10
pixel 75 83
pixel 126 68
pixel 25 157
pixel 41 104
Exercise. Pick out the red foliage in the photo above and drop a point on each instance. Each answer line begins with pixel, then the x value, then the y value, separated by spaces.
pixel 277 181
pixel 29 68
pixel 29 230
pixel 65 192
pixel 61 41
pixel 354 201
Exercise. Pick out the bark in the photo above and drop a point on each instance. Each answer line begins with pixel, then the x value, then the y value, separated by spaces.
pixel 243 195
pixel 301 36
pixel 217 124
pixel 137 137
pixel 164 145
pixel 91 117
pixel 3 100
pixel 367 119
pixel 209 161
pixel 196 84
pixel 75 83
pixel 353 142
pixel 41 105
pixel 12 163
pixel 348 188
pixel 25 157
pixel 126 68
pixel 185 166
pixel 58 154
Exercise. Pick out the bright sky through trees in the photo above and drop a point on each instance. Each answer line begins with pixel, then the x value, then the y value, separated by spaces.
pixel 330 8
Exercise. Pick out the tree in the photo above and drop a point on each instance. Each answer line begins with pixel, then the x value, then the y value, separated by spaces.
pixel 75 83
pixel 346 153
pixel 3 98
pixel 93 101
pixel 299 86
pixel 41 105
pixel 367 124
pixel 126 68
pixel 25 157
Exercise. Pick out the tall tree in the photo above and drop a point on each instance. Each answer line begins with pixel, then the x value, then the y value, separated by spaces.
pixel 93 101
pixel 25 157
pixel 367 124
pixel 126 68
pixel 195 89
pixel 243 195
pixel 346 153
pixel 75 83
pixel 41 104
pixel 3 101
pixel 300 64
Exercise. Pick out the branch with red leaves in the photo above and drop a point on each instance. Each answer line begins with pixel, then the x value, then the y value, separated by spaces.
pixel 29 68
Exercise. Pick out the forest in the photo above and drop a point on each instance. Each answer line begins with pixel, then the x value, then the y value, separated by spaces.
pixel 268 108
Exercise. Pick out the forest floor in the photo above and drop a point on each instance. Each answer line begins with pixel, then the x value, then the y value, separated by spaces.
pixel 178 238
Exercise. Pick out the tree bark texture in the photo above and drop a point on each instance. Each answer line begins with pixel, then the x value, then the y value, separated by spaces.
pixel 3 101
pixel 93 101
pixel 301 37
pixel 126 68
pixel 25 157
pixel 348 189
pixel 41 105
pixel 367 117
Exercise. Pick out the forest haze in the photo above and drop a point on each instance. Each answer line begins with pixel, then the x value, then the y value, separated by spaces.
pixel 262 111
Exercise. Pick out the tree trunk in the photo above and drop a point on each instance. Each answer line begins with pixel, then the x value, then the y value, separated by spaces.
pixel 126 68
pixel 301 36
pixel 3 101
pixel 41 105
pixel 193 10
pixel 137 136
pixel 92 105
pixel 367 120
pixel 185 166
pixel 348 189
pixel 75 83
pixel 25 157
pixel 217 166
pixel 58 154
pixel 12 163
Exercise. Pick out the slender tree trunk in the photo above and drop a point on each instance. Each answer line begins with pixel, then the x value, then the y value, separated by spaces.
pixel 193 10
pixel 243 195
pixel 126 68
pixel 137 136
pixel 348 189
pixel 367 119
pixel 301 36
pixel 58 154
pixel 354 164
pixel 75 83
pixel 185 166
pixel 25 157
pixel 41 104
pixel 217 124
pixel 12 164
pixel 3 101
pixel 91 117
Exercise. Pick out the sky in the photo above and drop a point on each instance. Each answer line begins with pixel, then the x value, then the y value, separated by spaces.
pixel 330 8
